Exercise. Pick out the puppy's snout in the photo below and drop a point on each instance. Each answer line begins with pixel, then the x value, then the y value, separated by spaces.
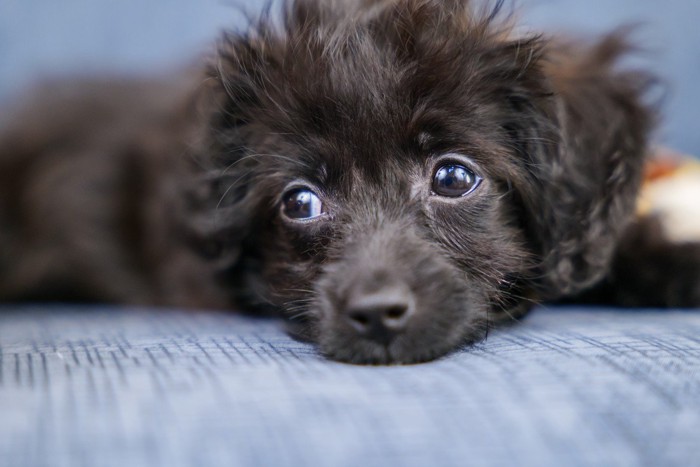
pixel 382 314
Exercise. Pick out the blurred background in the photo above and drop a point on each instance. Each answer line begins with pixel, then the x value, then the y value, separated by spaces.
pixel 41 38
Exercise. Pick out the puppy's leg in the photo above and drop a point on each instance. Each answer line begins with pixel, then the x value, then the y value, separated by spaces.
pixel 650 270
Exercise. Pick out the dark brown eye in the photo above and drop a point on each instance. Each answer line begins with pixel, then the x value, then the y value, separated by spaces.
pixel 301 203
pixel 454 180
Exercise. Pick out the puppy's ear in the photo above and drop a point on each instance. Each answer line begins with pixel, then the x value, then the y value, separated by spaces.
pixel 587 169
pixel 243 83
pixel 266 66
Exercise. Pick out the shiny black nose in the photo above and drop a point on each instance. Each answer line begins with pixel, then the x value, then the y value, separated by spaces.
pixel 380 315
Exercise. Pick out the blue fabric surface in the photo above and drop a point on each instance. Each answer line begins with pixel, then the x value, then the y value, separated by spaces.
pixel 115 387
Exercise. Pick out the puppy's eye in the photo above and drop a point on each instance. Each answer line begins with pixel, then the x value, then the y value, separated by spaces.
pixel 301 203
pixel 454 180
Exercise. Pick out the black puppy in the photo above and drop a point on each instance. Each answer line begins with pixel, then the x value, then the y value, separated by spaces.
pixel 397 177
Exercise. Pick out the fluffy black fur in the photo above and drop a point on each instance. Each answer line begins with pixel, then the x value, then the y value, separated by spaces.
pixel 361 102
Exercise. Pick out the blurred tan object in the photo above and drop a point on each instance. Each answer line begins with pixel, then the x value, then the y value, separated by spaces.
pixel 671 191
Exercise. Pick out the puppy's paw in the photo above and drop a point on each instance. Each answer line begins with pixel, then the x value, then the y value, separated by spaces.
pixel 651 270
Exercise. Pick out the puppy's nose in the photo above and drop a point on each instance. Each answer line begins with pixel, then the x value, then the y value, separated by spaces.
pixel 380 315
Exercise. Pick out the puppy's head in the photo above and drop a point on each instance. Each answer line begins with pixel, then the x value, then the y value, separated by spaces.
pixel 398 175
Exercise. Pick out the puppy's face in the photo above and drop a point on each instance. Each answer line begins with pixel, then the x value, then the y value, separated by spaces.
pixel 377 165
pixel 396 244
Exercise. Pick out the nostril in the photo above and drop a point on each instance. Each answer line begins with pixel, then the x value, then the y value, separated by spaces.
pixel 360 320
pixel 395 312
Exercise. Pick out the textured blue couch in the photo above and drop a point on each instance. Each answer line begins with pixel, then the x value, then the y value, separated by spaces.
pixel 109 386
pixel 97 386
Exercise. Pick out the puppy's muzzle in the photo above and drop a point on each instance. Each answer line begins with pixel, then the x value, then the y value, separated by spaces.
pixel 378 312
pixel 389 296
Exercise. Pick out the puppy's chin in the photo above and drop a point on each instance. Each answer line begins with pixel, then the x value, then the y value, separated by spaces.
pixel 344 347
pixel 340 343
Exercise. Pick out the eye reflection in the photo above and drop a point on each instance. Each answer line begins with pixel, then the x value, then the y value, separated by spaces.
pixel 301 203
pixel 454 180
